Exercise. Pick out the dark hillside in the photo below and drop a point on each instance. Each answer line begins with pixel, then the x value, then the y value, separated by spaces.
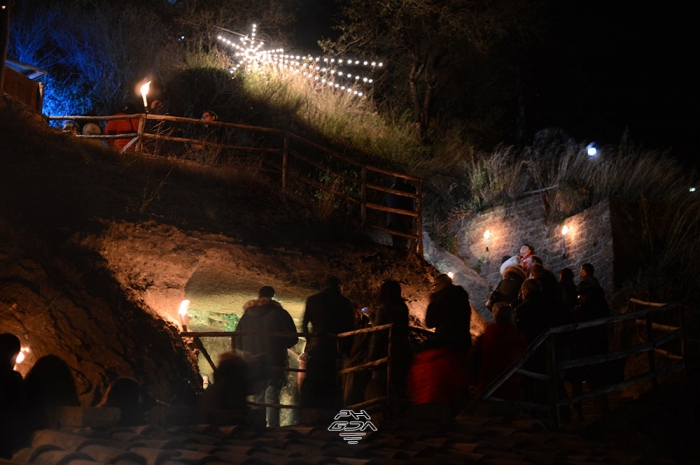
pixel 98 249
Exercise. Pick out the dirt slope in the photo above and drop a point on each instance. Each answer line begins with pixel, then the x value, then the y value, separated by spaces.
pixel 98 249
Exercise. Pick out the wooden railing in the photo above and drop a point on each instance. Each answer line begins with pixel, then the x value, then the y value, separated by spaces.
pixel 642 314
pixel 327 175
pixel 385 401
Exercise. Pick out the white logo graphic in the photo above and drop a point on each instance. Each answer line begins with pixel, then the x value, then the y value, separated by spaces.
pixel 352 425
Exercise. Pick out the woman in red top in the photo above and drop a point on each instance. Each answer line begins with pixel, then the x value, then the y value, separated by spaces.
pixel 122 126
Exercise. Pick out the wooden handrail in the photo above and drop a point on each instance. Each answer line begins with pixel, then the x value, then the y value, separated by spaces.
pixel 286 151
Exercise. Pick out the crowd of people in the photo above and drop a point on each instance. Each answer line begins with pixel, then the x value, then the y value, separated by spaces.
pixel 205 137
pixel 446 366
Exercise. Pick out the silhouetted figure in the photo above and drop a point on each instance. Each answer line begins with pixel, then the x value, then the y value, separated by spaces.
pixel 531 317
pixel 439 374
pixel 49 385
pixel 588 342
pixel 397 221
pixel 328 312
pixel 449 312
pixel 265 314
pixel 224 402
pixel 391 308
pixel 208 134
pixel 127 395
pixel 566 295
pixel 12 427
pixel 355 383
pixel 509 287
pixel 501 345
pixel 123 126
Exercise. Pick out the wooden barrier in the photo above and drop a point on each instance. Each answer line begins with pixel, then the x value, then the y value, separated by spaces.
pixel 294 165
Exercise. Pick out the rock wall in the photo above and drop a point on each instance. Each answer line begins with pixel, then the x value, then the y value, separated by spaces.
pixel 589 239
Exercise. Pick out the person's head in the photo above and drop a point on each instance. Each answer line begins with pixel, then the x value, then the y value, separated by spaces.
pixel 91 128
pixel 209 115
pixel 537 270
pixel 529 260
pixel 566 274
pixel 440 282
pixel 587 270
pixel 332 281
pixel 390 291
pixel 529 287
pixel 51 380
pixel 266 292
pixel 155 104
pixel 71 127
pixel 503 313
pixel 515 272
pixel 526 250
pixel 9 349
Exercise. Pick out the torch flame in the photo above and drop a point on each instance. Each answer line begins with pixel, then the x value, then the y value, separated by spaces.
pixel 564 230
pixel 183 307
pixel 145 87
pixel 487 234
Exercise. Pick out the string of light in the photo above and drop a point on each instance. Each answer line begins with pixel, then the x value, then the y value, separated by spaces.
pixel 249 54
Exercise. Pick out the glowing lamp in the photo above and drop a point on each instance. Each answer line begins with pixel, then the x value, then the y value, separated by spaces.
pixel 184 315
pixel 591 150
pixel 487 234
pixel 450 274
pixel 21 356
pixel 144 93
pixel 692 189
pixel 564 232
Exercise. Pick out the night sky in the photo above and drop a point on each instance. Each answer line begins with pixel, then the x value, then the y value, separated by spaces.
pixel 606 66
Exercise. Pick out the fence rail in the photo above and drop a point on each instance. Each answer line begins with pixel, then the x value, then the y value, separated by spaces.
pixel 321 169
pixel 641 312
pixel 386 400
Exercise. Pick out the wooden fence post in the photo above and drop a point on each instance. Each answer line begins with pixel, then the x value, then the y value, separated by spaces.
pixel 418 223
pixel 285 160
pixel 553 381
pixel 363 197
pixel 388 375
pixel 652 352
pixel 142 128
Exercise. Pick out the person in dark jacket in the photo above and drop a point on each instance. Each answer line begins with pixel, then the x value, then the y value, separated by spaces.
pixel 327 313
pixel 11 397
pixel 267 315
pixel 449 312
pixel 391 309
pixel 501 345
pixel 509 287
pixel 566 291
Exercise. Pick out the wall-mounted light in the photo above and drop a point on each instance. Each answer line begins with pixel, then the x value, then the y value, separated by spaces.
pixel 487 234
pixel 564 232
pixel 21 356
pixel 591 150
pixel 450 274
pixel 184 314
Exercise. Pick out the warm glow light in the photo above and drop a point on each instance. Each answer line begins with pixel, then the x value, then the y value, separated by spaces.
pixel 21 356
pixel 144 93
pixel 450 274
pixel 564 230
pixel 184 305
pixel 487 234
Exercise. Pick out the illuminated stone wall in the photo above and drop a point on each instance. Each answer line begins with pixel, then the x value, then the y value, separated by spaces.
pixel 589 239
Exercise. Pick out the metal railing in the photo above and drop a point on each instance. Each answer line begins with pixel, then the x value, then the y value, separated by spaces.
pixel 327 175
pixel 385 401
pixel 642 313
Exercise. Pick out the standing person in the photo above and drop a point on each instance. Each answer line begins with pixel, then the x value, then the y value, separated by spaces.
pixel 391 309
pixel 208 134
pixel 497 349
pixel 122 126
pixel 396 221
pixel 526 252
pixel 11 397
pixel 328 313
pixel 566 291
pixel 439 373
pixel 267 315
pixel 449 312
